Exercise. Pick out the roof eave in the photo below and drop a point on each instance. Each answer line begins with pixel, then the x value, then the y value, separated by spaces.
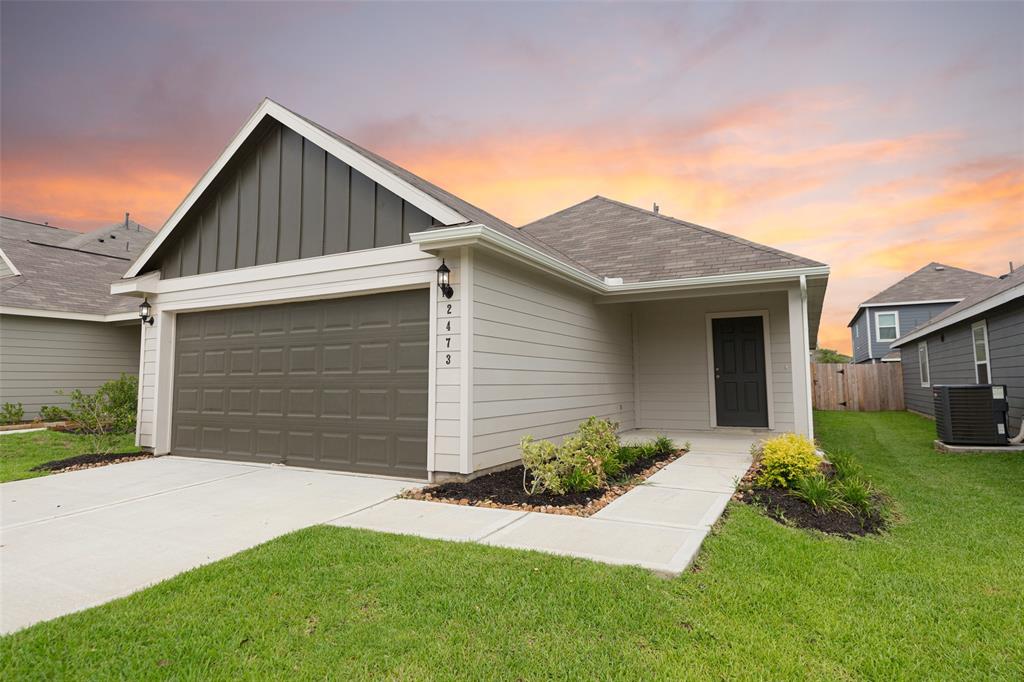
pixel 989 303
pixel 486 237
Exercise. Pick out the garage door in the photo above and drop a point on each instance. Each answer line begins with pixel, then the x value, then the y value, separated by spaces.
pixel 338 384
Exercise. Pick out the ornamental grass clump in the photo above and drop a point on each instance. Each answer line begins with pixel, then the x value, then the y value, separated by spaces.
pixel 784 459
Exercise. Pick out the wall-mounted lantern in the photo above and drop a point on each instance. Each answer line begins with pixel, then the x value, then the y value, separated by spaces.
pixel 146 312
pixel 442 280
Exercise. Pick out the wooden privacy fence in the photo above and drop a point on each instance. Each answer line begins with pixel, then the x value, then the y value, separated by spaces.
pixel 860 388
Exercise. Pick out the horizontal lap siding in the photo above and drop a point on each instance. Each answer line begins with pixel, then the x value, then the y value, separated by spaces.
pixel 673 359
pixel 39 356
pixel 147 387
pixel 545 357
pixel 951 360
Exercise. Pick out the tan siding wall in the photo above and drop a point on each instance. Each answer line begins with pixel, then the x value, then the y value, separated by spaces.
pixel 673 359
pixel 147 388
pixel 545 357
pixel 40 355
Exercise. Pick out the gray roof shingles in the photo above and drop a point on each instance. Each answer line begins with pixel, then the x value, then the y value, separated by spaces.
pixel 618 240
pixel 995 287
pixel 57 277
pixel 934 282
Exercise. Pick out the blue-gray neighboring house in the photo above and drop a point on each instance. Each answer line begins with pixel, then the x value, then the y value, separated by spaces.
pixel 907 305
pixel 977 341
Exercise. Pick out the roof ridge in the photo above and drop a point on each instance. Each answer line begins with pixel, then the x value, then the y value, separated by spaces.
pixel 71 248
pixel 32 222
pixel 739 240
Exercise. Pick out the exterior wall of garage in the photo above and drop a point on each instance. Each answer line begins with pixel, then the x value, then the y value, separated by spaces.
pixel 545 357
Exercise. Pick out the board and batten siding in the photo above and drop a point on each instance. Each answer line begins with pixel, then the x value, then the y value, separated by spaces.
pixel 41 355
pixel 545 357
pixel 283 198
pixel 951 360
pixel 672 352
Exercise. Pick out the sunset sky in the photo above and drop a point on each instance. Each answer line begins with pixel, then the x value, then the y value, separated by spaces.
pixel 872 137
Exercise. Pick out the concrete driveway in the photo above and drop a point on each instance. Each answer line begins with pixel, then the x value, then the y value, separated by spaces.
pixel 75 540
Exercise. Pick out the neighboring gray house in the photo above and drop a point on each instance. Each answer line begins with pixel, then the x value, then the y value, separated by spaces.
pixel 908 304
pixel 978 341
pixel 60 328
pixel 302 316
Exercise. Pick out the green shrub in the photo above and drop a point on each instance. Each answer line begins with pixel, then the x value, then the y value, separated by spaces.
pixel 12 413
pixel 844 465
pixel 52 413
pixel 820 492
pixel 858 494
pixel 664 445
pixel 785 458
pixel 582 462
pixel 106 413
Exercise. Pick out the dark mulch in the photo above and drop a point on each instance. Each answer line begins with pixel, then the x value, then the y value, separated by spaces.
pixel 91 460
pixel 790 510
pixel 505 488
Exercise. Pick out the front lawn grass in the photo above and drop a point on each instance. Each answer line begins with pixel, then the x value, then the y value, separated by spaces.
pixel 939 596
pixel 19 452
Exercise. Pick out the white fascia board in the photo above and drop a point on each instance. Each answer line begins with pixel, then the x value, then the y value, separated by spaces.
pixel 999 299
pixel 63 315
pixel 152 284
pixel 485 236
pixel 10 265
pixel 332 145
pixel 884 305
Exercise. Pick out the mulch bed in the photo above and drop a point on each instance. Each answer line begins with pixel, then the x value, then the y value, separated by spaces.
pixel 90 461
pixel 504 490
pixel 788 510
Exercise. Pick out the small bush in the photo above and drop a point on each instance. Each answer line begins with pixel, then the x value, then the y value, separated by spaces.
pixel 785 458
pixel 820 492
pixel 52 413
pixel 664 445
pixel 844 465
pixel 12 413
pixel 858 494
pixel 106 413
pixel 582 462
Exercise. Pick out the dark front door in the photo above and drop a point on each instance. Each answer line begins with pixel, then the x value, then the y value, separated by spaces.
pixel 741 388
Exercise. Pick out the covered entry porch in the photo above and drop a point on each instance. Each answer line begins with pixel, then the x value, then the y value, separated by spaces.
pixel 733 359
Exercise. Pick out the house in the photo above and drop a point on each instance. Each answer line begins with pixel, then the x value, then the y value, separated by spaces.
pixel 316 305
pixel 980 340
pixel 60 327
pixel 907 304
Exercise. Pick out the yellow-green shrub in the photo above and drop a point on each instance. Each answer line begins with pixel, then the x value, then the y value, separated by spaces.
pixel 786 458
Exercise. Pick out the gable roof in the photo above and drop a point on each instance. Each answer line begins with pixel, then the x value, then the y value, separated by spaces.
pixel 934 282
pixel 1000 291
pixel 439 204
pixel 120 239
pixel 615 239
pixel 55 277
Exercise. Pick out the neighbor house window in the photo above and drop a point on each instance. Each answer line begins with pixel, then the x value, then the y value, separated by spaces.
pixel 887 326
pixel 979 335
pixel 922 363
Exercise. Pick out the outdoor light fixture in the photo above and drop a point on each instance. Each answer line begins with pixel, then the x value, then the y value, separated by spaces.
pixel 146 312
pixel 442 280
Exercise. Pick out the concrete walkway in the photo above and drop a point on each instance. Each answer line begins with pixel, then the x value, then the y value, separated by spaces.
pixel 78 539
pixel 659 525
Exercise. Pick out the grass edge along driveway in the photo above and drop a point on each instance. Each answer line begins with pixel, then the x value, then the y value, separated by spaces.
pixel 19 452
pixel 940 596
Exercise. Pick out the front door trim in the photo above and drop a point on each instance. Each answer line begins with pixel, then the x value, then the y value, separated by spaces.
pixel 710 342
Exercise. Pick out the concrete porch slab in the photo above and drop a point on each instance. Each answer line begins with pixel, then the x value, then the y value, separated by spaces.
pixel 434 520
pixel 661 506
pixel 679 474
pixel 658 548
